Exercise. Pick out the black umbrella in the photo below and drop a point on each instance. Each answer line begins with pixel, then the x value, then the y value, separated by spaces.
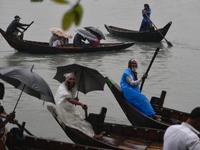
pixel 27 81
pixel 87 34
pixel 95 30
pixel 87 79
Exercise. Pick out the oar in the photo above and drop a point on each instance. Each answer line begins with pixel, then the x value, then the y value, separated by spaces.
pixel 22 34
pixel 154 56
pixel 168 43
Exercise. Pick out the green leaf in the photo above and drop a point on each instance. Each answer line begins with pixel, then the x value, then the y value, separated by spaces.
pixel 68 19
pixel 78 12
pixel 61 1
pixel 72 16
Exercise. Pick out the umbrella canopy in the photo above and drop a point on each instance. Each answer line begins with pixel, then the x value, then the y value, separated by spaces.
pixel 27 81
pixel 60 32
pixel 87 34
pixel 87 79
pixel 95 30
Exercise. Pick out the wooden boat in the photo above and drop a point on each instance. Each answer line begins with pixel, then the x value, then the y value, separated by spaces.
pixel 17 141
pixel 117 136
pixel 148 36
pixel 44 48
pixel 136 118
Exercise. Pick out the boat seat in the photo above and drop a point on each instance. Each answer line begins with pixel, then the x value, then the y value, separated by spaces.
pixel 157 102
pixel 97 120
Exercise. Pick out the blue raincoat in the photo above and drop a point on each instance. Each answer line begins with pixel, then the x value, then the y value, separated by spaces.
pixel 133 95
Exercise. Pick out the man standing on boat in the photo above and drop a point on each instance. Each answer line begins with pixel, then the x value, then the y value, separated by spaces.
pixel 13 30
pixel 146 23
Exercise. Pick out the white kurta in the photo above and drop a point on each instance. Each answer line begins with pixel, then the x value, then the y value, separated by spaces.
pixel 181 137
pixel 67 111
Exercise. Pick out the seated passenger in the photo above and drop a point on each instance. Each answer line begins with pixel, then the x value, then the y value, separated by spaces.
pixel 95 43
pixel 53 38
pixel 67 102
pixel 79 40
pixel 65 38
pixel 58 42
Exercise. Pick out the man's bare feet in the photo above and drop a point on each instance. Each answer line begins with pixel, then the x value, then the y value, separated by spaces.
pixel 157 117
pixel 99 135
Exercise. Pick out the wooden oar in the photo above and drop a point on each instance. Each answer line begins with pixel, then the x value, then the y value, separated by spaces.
pixel 168 43
pixel 154 56
pixel 22 34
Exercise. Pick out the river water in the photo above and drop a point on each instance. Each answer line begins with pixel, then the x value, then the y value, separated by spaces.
pixel 175 69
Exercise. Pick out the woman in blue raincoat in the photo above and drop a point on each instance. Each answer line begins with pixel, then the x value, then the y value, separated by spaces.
pixel 130 88
pixel 146 23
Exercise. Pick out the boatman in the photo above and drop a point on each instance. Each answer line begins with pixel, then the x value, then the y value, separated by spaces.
pixel 13 30
pixel 146 23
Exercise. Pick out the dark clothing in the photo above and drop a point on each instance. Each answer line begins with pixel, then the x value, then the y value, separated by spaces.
pixel 64 41
pixel 14 25
pixel 146 23
pixel 78 40
pixel 95 43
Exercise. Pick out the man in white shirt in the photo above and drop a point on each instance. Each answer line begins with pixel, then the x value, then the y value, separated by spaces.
pixel 184 136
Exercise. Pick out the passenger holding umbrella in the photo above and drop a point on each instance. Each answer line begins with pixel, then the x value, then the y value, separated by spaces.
pixel 66 101
pixel 79 40
pixel 59 37
pixel 81 36
pixel 97 33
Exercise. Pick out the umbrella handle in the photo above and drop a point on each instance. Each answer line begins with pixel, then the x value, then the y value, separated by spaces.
pixel 21 92
pixel 19 97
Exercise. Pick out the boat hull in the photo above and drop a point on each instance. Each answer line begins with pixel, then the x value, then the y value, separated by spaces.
pixel 136 118
pixel 117 136
pixel 44 48
pixel 148 36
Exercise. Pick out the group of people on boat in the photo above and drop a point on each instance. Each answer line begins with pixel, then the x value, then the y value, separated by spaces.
pixel 61 38
pixel 184 136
